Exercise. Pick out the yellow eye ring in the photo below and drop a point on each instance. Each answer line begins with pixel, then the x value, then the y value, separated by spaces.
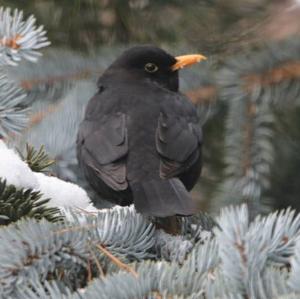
pixel 151 67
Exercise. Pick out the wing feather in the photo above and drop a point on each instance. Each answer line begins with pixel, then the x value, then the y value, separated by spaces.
pixel 178 141
pixel 102 148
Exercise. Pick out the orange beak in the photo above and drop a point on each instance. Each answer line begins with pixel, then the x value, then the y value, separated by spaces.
pixel 186 60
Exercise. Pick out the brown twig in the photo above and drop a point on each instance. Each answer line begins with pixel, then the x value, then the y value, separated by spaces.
pixel 241 249
pixel 117 261
pixel 97 263
pixel 89 271
pixel 87 212
pixel 11 42
pixel 250 114
pixel 157 295
pixel 202 95
pixel 287 71
pixel 82 74
pixel 74 228
pixel 39 116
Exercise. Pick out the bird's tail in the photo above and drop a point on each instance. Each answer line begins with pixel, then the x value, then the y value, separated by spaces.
pixel 162 198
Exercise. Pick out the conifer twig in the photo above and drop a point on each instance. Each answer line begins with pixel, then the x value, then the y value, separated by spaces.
pixel 97 263
pixel 51 80
pixel 75 228
pixel 11 42
pixel 116 261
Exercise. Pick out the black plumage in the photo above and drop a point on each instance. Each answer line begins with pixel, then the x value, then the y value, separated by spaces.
pixel 140 140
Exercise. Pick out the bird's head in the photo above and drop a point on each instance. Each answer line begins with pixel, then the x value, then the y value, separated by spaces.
pixel 153 63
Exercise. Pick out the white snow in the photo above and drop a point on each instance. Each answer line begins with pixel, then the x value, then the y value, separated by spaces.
pixel 62 194
pixel 14 170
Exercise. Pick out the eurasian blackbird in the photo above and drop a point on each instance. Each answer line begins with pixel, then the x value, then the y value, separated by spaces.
pixel 140 140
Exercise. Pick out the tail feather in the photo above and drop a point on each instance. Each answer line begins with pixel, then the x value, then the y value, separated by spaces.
pixel 162 198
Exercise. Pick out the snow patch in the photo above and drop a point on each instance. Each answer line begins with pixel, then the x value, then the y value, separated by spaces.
pixel 14 170
pixel 61 193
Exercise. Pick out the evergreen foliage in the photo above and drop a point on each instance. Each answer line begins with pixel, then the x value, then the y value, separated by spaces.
pixel 37 160
pixel 18 39
pixel 17 203
pixel 13 112
pixel 238 259
pixel 254 87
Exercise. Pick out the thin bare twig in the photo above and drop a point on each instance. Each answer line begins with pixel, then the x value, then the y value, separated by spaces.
pixel 117 261
pixel 97 263
pixel 89 270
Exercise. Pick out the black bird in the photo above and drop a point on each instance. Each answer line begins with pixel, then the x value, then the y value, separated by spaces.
pixel 140 140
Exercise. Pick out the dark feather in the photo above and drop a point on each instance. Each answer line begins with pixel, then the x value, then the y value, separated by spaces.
pixel 162 198
pixel 102 145
pixel 178 141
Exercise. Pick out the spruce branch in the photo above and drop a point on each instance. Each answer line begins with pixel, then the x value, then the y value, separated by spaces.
pixel 57 72
pixel 17 203
pixel 249 151
pixel 13 112
pixel 123 232
pixel 37 160
pixel 45 290
pixel 19 38
pixel 156 280
pixel 46 251
pixel 243 260
pixel 295 269
pixel 194 226
pixel 203 95
pixel 31 250
pixel 115 260
pixel 64 122
pixel 246 250
pixel 52 80
pixel 171 248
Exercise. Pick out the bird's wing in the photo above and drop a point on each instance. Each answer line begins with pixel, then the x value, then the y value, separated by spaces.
pixel 102 148
pixel 178 138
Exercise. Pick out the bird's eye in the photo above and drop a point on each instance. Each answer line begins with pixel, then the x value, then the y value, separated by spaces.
pixel 151 67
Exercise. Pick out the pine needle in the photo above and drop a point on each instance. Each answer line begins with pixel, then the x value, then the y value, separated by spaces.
pixel 117 261
pixel 97 263
pixel 37 160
